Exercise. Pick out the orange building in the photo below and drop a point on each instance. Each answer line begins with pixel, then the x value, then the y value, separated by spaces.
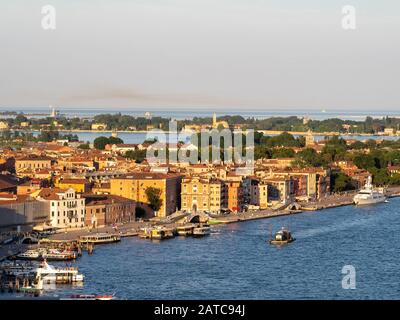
pixel 235 196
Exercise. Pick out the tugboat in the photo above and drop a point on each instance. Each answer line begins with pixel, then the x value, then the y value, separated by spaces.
pixel 283 236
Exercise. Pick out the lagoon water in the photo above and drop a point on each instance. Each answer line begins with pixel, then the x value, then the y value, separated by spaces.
pixel 235 262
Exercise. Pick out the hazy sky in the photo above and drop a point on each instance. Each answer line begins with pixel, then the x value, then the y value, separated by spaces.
pixel 191 53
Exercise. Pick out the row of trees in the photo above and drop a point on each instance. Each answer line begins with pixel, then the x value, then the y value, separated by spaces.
pixel 43 136
pixel 125 122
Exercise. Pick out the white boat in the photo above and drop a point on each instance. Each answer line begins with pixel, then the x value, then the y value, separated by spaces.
pixel 50 274
pixel 369 194
pixel 29 255
pixel 201 230
pixel 185 230
pixel 57 255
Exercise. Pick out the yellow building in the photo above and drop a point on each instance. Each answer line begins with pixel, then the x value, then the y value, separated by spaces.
pixel 203 194
pixel 310 141
pixel 258 193
pixel 134 185
pixel 99 126
pixel 32 162
pixel 3 125
pixel 216 124
pixel 25 124
pixel 79 185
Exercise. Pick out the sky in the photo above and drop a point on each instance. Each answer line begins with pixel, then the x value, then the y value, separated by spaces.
pixel 254 54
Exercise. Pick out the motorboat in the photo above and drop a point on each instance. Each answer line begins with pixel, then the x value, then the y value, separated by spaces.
pixel 281 237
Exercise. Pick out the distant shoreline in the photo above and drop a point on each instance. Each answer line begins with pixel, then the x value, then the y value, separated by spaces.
pixel 266 132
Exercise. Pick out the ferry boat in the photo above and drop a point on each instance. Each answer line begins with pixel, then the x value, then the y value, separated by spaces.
pixel 202 230
pixel 49 254
pixel 162 233
pixel 50 274
pixel 369 195
pixel 283 236
pixel 57 255
pixel 100 238
pixel 185 230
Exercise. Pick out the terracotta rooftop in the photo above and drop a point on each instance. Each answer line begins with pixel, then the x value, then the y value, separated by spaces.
pixel 149 176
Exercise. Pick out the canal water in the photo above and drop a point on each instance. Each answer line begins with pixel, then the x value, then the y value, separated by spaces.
pixel 235 262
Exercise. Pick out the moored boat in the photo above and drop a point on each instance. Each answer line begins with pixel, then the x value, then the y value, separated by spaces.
pixel 29 255
pixel 50 274
pixel 369 194
pixel 202 230
pixel 185 230
pixel 100 238
pixel 162 233
pixel 57 255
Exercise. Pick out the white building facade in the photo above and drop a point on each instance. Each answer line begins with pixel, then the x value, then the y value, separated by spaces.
pixel 67 208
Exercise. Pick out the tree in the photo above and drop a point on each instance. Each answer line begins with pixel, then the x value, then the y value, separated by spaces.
pixel 283 153
pixel 341 182
pixel 100 142
pixel 154 198
pixel 48 135
pixel 380 176
pixel 20 118
pixel 364 161
pixel 84 146
pixel 115 140
pixel 137 155
pixel 309 158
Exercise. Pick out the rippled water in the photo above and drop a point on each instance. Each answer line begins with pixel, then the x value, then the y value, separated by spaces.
pixel 235 262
